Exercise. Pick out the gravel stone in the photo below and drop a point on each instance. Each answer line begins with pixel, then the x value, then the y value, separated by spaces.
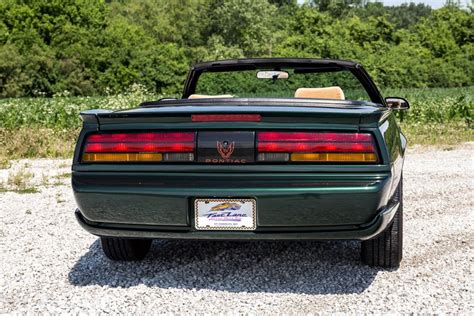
pixel 49 264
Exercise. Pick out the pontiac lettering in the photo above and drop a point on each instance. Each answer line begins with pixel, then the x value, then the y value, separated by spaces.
pixel 220 160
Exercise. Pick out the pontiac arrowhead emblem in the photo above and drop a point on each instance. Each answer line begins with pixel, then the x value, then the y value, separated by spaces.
pixel 225 149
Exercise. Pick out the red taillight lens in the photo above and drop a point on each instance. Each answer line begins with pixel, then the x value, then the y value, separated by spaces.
pixel 316 147
pixel 142 137
pixel 290 147
pixel 314 136
pixel 140 147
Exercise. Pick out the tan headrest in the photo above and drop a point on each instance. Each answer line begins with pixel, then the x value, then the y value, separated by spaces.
pixel 320 93
pixel 205 96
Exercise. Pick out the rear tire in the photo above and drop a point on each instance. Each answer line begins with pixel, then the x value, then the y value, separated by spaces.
pixel 120 249
pixel 385 250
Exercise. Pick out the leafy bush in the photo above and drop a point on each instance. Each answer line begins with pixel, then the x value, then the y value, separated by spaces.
pixel 62 112
pixel 89 47
pixel 437 105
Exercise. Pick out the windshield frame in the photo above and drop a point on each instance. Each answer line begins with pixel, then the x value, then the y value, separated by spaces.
pixel 275 63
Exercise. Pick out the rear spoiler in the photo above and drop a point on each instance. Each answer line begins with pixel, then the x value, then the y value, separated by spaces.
pixel 259 102
pixel 90 116
pixel 355 115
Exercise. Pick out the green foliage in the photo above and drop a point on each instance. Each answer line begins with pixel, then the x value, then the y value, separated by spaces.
pixel 61 113
pixel 48 127
pixel 90 47
pixel 338 8
pixel 403 16
pixel 246 84
pixel 246 24
pixel 437 105
pixel 435 52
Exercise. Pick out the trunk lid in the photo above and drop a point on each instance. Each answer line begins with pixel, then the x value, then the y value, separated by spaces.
pixel 277 111
pixel 235 142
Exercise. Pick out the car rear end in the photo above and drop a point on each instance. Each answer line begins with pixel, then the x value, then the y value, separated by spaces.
pixel 253 171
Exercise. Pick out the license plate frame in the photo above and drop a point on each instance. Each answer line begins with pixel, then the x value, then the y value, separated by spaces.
pixel 225 214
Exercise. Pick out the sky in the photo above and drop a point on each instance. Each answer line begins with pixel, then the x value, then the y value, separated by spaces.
pixel 432 3
pixel 435 4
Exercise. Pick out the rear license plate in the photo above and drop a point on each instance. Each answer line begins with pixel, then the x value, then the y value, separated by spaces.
pixel 225 214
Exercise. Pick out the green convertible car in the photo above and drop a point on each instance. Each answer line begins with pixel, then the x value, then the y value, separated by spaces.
pixel 256 149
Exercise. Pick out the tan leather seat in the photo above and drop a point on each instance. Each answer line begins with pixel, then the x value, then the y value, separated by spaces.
pixel 205 96
pixel 320 93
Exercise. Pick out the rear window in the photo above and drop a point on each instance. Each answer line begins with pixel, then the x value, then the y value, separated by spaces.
pixel 245 83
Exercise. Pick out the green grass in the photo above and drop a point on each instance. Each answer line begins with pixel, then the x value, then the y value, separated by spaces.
pixel 438 105
pixel 26 190
pixel 19 181
pixel 20 191
pixel 65 175
pixel 48 127
pixel 452 133
pixel 62 113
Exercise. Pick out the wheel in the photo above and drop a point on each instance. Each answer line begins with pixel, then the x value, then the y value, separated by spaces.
pixel 385 250
pixel 120 249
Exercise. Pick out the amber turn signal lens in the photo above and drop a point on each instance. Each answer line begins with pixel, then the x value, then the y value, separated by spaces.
pixel 121 157
pixel 336 157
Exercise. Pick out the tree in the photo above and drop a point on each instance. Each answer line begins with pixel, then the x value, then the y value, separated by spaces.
pixel 88 47
pixel 245 24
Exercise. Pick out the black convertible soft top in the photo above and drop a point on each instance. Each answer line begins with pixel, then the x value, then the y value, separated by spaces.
pixel 253 63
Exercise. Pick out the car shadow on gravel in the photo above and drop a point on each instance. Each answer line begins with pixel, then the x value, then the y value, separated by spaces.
pixel 257 266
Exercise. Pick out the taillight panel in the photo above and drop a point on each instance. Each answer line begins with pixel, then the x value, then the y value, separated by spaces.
pixel 290 147
pixel 314 137
pixel 140 147
pixel 270 147
pixel 318 147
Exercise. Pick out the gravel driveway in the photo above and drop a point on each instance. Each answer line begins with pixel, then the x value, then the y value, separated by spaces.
pixel 49 264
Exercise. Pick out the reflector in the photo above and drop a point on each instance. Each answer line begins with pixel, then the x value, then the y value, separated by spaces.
pixel 273 157
pixel 178 157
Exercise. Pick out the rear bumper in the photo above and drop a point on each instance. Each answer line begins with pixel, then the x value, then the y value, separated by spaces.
pixel 379 224
pixel 289 205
